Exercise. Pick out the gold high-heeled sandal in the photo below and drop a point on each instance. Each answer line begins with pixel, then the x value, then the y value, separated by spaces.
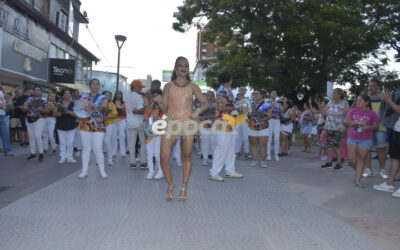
pixel 170 192
pixel 182 194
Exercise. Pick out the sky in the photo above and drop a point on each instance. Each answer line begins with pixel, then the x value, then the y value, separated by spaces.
pixel 151 46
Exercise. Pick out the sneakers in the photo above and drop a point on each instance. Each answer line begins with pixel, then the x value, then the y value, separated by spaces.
pixel 110 163
pixel 268 158
pixel 159 175
pixel 263 164
pixel 397 193
pixel 367 173
pixel 103 174
pixel 149 175
pixel 249 157
pixel 133 166
pixel 237 155
pixel 32 156
pixel 383 174
pixel 143 166
pixel 40 157
pixel 204 162
pixel 337 166
pixel 384 187
pixel 215 177
pixel 82 175
pixel 253 163
pixel 71 160
pixel 277 158
pixel 323 157
pixel 234 175
pixel 62 160
pixel 327 165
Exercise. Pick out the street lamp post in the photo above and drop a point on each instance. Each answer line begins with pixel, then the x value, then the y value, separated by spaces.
pixel 120 39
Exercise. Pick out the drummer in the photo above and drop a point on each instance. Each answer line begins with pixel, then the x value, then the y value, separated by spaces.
pixel 242 104
pixel 153 141
pixel 92 128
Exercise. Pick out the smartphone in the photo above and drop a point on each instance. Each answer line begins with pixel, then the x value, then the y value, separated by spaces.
pixel 383 90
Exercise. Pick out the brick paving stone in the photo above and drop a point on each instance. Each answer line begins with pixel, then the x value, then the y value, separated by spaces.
pixel 126 211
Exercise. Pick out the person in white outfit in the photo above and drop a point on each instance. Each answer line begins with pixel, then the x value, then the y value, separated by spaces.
pixel 93 128
pixel 111 119
pixel 242 137
pixel 134 118
pixel 76 96
pixel 120 125
pixel 206 137
pixel 274 126
pixel 66 127
pixel 36 107
pixel 224 152
pixel 48 131
pixel 153 141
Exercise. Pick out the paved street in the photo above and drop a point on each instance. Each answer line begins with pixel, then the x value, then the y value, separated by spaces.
pixel 293 204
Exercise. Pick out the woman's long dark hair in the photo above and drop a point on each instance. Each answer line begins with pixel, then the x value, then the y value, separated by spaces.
pixel 366 98
pixel 115 96
pixel 174 76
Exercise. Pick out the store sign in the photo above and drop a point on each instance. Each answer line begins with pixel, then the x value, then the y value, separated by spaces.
pixel 62 70
pixel 22 57
pixel 26 50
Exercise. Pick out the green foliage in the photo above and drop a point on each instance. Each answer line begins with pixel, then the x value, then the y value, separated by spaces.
pixel 296 46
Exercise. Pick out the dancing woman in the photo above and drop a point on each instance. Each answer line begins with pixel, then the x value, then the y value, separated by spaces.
pixel 177 102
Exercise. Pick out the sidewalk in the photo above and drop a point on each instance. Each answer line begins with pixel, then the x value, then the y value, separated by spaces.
pixel 126 211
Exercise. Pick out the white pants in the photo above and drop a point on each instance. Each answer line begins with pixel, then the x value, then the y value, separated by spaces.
pixel 206 143
pixel 119 136
pixel 77 140
pixel 35 134
pixel 66 139
pixel 48 133
pixel 274 130
pixel 108 140
pixel 176 152
pixel 242 137
pixel 133 134
pixel 92 140
pixel 153 150
pixel 224 153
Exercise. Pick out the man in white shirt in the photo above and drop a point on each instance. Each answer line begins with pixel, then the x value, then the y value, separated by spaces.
pixel 134 122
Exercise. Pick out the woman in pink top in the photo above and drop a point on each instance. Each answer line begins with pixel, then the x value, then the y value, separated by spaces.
pixel 362 121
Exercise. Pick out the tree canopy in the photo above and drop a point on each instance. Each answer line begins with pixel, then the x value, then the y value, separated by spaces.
pixel 297 46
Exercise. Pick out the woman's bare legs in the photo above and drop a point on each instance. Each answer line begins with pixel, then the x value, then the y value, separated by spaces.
pixel 263 146
pixel 361 155
pixel 187 147
pixel 167 142
pixel 254 146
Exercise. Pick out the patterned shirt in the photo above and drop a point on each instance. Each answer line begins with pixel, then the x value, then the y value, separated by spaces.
pixel 335 116
pixel 96 121
pixel 34 103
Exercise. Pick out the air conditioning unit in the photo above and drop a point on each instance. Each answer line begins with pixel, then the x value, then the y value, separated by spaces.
pixel 61 20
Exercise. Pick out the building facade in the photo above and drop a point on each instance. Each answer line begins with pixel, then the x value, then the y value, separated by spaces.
pixel 35 32
pixel 205 56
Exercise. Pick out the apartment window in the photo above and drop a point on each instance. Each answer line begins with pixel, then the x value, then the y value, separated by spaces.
pixel 204 43
pixel 203 50
pixel 61 20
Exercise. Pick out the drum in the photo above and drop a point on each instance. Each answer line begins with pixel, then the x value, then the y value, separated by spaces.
pixel 243 106
pixel 79 109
